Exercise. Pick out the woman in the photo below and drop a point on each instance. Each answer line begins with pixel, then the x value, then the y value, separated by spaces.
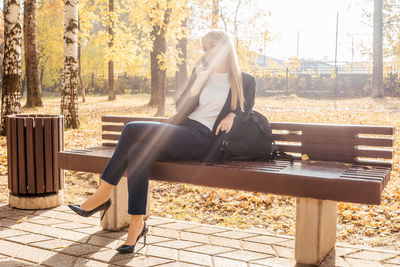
pixel 216 94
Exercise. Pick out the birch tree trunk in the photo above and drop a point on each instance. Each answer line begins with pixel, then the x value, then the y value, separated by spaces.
pixel 69 91
pixel 34 98
pixel 214 14
pixel 11 93
pixel 377 72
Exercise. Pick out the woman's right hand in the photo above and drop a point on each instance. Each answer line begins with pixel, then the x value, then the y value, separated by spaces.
pixel 199 66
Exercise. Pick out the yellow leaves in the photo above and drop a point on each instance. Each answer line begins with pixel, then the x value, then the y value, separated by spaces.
pixel 23 219
pixel 347 214
pixel 368 167
pixel 305 157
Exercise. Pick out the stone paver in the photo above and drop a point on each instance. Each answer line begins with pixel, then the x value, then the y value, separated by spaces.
pixel 257 247
pixel 210 249
pixel 244 255
pixel 162 252
pixel 266 239
pixel 192 257
pixel 28 238
pixel 103 241
pixel 57 237
pixel 60 260
pixel 9 248
pixel 91 263
pixel 80 249
pixel 54 244
pixel 371 255
pixel 395 260
pixel 223 241
pixel 177 226
pixel 179 244
pixel 363 263
pixel 275 262
pixel 7 232
pixel 32 254
pixel 142 261
pixel 108 255
pixel 194 237
pixel 9 262
pixel 284 252
pixel 223 262
pixel 180 264
pixel 235 234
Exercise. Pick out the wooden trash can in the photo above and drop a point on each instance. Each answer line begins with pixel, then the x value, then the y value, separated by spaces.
pixel 34 179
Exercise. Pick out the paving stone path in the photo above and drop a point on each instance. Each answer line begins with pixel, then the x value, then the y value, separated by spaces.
pixel 58 237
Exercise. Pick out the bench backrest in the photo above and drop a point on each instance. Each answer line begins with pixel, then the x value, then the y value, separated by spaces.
pixel 360 144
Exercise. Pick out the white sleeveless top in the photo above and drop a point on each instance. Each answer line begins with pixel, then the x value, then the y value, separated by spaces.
pixel 212 99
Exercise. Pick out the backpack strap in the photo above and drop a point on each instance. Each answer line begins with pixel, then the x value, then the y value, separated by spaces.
pixel 283 155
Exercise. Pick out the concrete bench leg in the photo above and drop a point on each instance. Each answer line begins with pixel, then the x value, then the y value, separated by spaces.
pixel 315 229
pixel 117 216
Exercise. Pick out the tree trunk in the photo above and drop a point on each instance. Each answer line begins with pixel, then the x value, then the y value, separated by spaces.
pixel 181 74
pixel 34 95
pixel 11 93
pixel 214 15
pixel 69 91
pixel 111 89
pixel 158 75
pixel 377 74
pixel 41 77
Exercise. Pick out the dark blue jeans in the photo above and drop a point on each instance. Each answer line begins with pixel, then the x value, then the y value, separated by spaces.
pixel 143 142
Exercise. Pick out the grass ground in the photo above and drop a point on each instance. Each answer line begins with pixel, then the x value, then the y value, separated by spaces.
pixel 357 224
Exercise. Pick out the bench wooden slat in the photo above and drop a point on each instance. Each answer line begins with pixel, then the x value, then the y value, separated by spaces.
pixel 110 136
pixel 125 119
pixel 112 128
pixel 355 141
pixel 358 141
pixel 290 126
pixel 333 129
pixel 370 162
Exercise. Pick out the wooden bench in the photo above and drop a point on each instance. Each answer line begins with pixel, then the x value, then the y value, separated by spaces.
pixel 348 163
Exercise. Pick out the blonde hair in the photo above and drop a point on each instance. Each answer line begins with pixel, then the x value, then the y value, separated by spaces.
pixel 234 73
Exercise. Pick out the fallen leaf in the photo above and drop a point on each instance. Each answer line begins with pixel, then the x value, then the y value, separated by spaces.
pixel 23 219
pixel 305 157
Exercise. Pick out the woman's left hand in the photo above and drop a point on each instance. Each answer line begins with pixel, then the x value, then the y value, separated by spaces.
pixel 226 123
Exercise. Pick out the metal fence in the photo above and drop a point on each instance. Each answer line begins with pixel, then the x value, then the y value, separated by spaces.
pixel 302 82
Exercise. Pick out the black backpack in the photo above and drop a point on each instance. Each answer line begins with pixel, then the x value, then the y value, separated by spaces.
pixel 250 139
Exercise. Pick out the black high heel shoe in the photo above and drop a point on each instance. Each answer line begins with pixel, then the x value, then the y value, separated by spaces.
pixel 125 249
pixel 105 206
